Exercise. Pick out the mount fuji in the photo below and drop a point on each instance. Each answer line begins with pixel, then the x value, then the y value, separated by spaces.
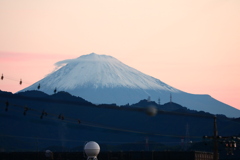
pixel 102 79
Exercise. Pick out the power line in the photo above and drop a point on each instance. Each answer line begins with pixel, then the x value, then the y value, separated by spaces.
pixel 29 111
pixel 3 77
pixel 79 141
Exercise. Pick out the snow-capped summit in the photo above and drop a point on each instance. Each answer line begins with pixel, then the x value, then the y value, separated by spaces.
pixel 104 79
pixel 100 71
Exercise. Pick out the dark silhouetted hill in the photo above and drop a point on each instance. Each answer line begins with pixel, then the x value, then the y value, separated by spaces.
pixel 34 120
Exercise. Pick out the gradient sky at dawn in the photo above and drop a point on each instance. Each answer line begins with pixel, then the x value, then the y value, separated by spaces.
pixel 192 45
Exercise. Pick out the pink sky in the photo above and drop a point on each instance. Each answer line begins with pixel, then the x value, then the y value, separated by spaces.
pixel 191 45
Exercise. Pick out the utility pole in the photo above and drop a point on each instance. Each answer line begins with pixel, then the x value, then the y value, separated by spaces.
pixel 147 147
pixel 187 140
pixel 228 141
pixel 215 140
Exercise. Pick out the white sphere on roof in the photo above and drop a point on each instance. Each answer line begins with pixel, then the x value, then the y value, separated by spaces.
pixel 92 149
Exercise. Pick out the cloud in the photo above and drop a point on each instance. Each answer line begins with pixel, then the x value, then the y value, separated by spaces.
pixel 62 63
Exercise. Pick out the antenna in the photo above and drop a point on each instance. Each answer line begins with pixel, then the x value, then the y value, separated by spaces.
pixel 149 99
pixel 170 97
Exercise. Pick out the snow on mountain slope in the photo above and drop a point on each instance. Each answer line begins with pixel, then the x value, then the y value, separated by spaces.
pixel 98 71
pixel 104 79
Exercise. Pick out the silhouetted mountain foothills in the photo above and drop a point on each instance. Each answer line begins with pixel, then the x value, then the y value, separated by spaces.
pixel 32 94
pixel 236 119
pixel 63 97
pixel 33 120
pixel 170 106
pixel 5 93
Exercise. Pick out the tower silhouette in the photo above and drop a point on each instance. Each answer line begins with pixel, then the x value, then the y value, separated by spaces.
pixel 147 146
pixel 149 99
pixel 187 140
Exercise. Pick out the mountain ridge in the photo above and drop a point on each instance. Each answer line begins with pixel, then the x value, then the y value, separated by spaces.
pixel 67 98
pixel 104 79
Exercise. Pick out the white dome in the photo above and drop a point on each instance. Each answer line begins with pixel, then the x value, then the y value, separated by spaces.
pixel 92 149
